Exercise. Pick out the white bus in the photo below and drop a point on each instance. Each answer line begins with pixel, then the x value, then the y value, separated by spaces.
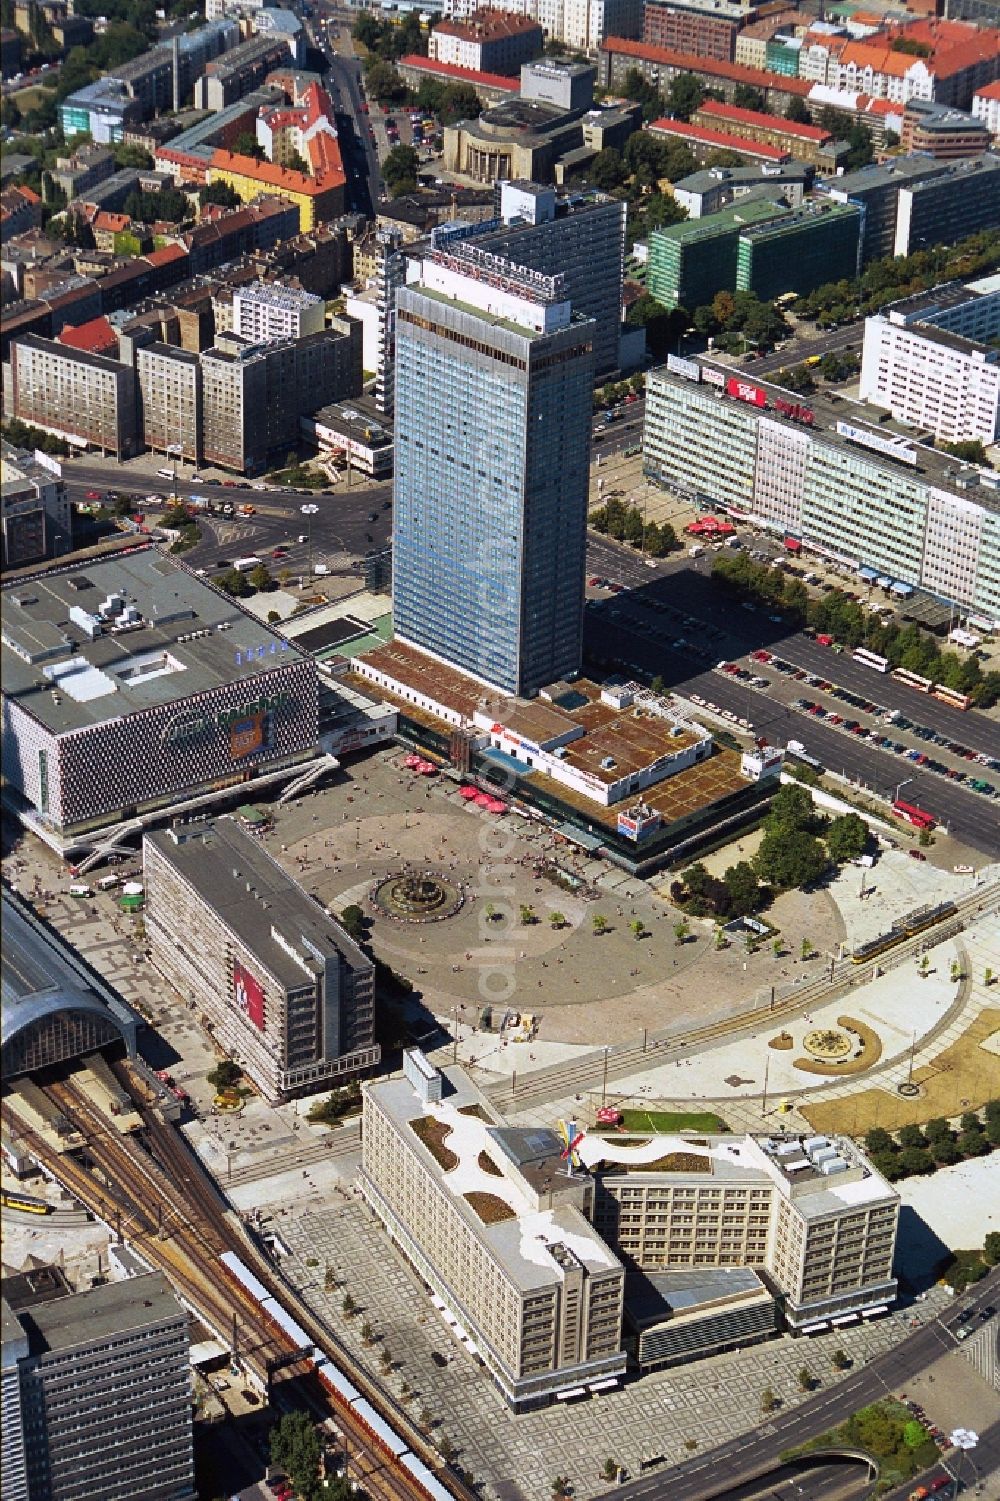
pixel 246 565
pixel 870 659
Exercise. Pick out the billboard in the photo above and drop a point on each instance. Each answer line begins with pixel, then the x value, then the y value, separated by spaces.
pixel 745 390
pixel 246 735
pixel 714 377
pixel 892 446
pixel 690 369
pixel 248 993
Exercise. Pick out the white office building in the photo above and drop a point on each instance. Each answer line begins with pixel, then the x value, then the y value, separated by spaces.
pixel 932 361
pixel 264 312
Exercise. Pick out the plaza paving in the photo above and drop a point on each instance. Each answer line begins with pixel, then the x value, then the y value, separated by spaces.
pixel 703 1403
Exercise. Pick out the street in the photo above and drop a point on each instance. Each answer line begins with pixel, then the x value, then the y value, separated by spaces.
pixel 720 1472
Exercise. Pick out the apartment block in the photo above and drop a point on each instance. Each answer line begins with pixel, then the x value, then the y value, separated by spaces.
pixel 286 990
pixel 807 143
pixel 942 210
pixel 857 488
pixel 715 188
pixel 169 381
pixel 491 41
pixel 876 190
pixel 97 1394
pixel 704 30
pixel 806 248
pixel 84 397
pixel 497 1227
pixel 264 312
pixel 932 361
pixel 253 395
pixel 986 107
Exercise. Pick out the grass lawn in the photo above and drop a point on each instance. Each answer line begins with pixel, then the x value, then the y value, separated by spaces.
pixel 672 1120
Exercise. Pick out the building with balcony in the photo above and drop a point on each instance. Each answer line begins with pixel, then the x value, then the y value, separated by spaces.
pixel 86 398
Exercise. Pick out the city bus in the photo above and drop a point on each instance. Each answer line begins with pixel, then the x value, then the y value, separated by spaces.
pixel 870 659
pixel 913 680
pixel 952 697
pixel 913 815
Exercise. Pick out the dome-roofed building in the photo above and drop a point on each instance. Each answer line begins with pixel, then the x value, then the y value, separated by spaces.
pixel 54 1007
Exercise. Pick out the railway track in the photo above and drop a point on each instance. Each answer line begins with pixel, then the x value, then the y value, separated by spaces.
pixel 546 1085
pixel 157 1196
pixel 346 1140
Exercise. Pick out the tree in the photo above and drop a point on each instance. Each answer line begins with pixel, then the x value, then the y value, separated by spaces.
pixel 383 82
pixel 258 578
pixel 557 919
pixel 806 1379
pixel 247 144
pixel 367 1333
pixel 991 1248
pixel 847 837
pixel 297 1448
pixel 610 1470
pixel 220 193
pixel 911 1136
pixel 791 808
pixel 682 930
pixel 806 950
pixel 913 1161
pixel 607 171
pixel 528 915
pixel 400 169
pixel 132 156
pixel 353 922
pixel 970 450
pixel 637 928
pixel 797 111
pixel 744 888
pixel 878 1140
pixel 224 1075
pixel 685 94
pixel 840 1360
pixel 234 583
pixel 747 97
pixel 348 1305
pixel 599 923
pixel 768 1401
pixel 663 326
pixel 790 857
pixel 973 1144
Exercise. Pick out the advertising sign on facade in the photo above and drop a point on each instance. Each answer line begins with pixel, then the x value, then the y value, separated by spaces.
pixel 248 994
pixel 796 411
pixel 745 390
pixel 690 369
pixel 246 735
pixel 893 447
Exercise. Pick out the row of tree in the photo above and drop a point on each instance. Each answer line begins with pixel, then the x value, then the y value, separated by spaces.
pixel 892 277
pixel 914 1150
pixel 837 614
pixel 623 521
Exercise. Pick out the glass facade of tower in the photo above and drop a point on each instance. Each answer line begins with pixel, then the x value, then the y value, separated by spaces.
pixel 492 460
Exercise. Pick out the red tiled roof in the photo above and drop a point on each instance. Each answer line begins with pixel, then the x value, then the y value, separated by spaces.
pixel 113 223
pixel 28 193
pixel 718 139
pixel 486 25
pixel 460 75
pixel 95 337
pixel 688 62
pixel 165 255
pixel 988 91
pixel 724 112
pixel 278 177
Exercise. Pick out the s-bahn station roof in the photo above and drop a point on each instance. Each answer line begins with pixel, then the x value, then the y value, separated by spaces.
pixel 52 1007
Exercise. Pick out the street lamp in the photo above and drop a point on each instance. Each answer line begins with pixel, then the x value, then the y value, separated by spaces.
pixel 964 1440
pixel 899 789
pixel 309 511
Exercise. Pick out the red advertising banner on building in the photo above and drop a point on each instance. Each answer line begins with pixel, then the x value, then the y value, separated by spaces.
pixel 745 390
pixel 246 735
pixel 248 994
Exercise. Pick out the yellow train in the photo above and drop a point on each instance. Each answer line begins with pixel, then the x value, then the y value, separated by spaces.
pixel 903 928
pixel 24 1202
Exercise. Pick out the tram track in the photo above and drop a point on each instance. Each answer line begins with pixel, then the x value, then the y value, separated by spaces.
pixel 595 1069
pixel 134 1186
